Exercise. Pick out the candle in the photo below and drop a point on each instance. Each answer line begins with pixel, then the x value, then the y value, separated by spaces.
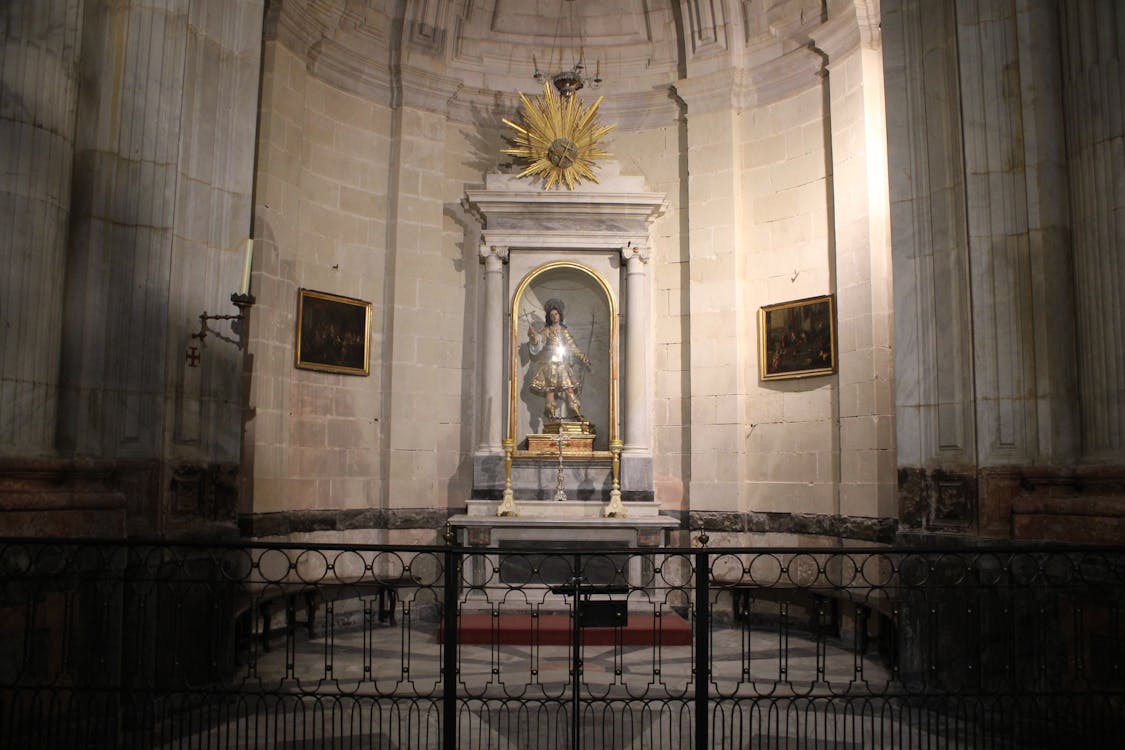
pixel 245 288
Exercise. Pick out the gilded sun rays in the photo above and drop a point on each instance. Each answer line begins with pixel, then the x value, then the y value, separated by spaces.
pixel 559 138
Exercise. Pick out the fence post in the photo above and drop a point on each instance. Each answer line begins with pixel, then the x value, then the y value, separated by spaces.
pixel 702 649
pixel 449 646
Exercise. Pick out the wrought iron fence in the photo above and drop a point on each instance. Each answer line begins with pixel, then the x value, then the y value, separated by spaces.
pixel 151 645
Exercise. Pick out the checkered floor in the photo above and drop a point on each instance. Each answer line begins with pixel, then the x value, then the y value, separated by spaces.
pixel 381 687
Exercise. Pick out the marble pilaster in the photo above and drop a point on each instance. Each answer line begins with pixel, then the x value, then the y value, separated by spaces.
pixel 1094 47
pixel 492 359
pixel 636 459
pixel 39 50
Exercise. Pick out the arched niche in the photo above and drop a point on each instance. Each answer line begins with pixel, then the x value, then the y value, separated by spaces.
pixel 591 316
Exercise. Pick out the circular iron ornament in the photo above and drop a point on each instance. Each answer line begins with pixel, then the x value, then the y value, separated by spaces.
pixel 15 560
pixel 476 562
pixel 726 570
pixel 52 560
pixel 878 570
pixel 273 565
pixel 236 564
pixel 952 569
pixel 90 562
pixel 1096 568
pixel 990 570
pixel 804 575
pixel 842 570
pixel 388 565
pixel 764 570
pixel 1059 570
pixel 1025 569
pixel 914 570
pixel 311 566
pixel 350 565
pixel 426 568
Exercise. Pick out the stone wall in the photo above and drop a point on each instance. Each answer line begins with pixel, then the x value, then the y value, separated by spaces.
pixel 136 121
pixel 1006 426
pixel 313 439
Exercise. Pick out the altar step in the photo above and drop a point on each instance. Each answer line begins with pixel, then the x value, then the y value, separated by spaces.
pixel 516 629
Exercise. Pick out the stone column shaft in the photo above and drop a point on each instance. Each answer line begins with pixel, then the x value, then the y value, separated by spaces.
pixel 636 421
pixel 39 52
pixel 492 385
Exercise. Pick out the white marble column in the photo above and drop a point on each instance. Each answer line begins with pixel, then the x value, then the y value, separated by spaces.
pixel 636 421
pixel 492 366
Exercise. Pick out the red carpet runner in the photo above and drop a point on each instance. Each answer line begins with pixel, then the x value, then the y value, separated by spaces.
pixel 644 629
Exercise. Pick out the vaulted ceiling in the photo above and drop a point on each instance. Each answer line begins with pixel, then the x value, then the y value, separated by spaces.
pixel 468 54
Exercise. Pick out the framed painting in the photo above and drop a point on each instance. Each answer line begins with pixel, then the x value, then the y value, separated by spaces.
pixel 797 339
pixel 333 333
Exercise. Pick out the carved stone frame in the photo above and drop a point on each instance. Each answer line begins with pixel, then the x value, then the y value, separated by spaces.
pixel 516 374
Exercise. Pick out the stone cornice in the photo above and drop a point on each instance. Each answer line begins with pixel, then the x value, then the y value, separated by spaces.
pixel 838 36
pixel 868 14
pixel 615 215
pixel 350 71
pixel 422 89
pixel 740 89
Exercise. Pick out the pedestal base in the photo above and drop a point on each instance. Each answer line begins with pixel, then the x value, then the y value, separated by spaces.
pixel 585 477
pixel 548 445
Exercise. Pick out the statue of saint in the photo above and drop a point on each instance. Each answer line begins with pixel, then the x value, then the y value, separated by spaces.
pixel 553 357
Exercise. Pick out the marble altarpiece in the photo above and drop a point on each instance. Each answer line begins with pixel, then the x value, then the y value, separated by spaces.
pixel 587 248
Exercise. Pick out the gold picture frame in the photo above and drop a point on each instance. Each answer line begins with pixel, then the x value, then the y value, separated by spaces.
pixel 333 333
pixel 797 339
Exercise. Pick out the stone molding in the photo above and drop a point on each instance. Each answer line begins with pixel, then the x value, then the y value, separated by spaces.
pixel 78 497
pixel 615 215
pixel 281 523
pixel 1082 504
pixel 839 35
pixel 425 90
pixel 859 528
pixel 741 89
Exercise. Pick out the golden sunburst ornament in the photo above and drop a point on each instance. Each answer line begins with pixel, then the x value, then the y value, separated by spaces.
pixel 559 137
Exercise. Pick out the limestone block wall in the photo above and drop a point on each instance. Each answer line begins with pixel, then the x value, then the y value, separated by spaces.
pixel 718 321
pixel 791 431
pixel 429 405
pixel 313 439
pixel 809 216
pixel 863 282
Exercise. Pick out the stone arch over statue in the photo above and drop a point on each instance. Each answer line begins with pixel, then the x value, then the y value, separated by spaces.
pixel 580 372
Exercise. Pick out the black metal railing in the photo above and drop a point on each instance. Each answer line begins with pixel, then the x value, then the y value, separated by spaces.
pixel 141 644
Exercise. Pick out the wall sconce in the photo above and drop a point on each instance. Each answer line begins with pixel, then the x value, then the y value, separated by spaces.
pixel 242 299
pixel 243 302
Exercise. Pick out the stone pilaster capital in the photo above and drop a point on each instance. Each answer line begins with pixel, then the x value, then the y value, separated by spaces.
pixel 493 253
pixel 635 255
